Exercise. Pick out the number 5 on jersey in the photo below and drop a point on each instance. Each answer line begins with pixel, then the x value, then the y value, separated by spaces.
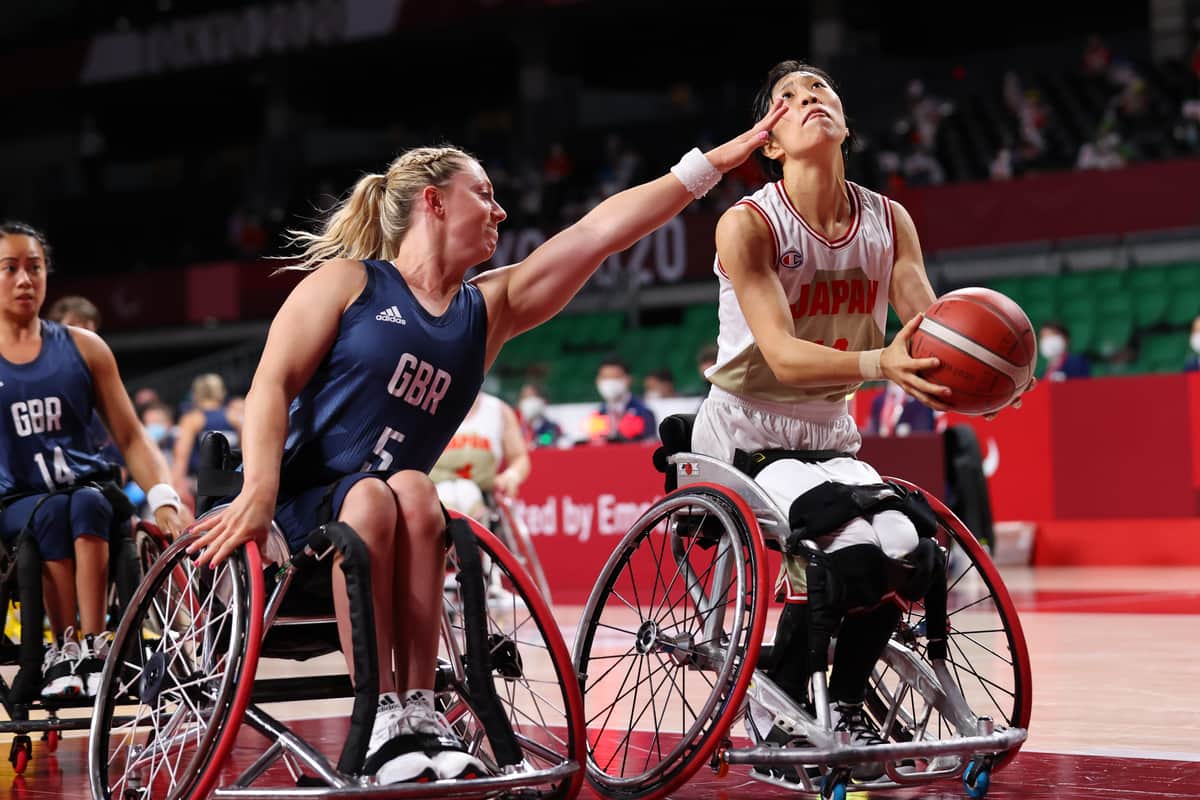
pixel 381 449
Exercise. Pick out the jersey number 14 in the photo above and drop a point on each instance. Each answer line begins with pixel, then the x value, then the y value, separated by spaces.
pixel 63 476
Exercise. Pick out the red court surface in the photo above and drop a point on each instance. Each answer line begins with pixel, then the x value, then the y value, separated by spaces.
pixel 1116 711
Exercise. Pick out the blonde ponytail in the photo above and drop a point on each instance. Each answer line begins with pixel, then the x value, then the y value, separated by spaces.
pixel 372 221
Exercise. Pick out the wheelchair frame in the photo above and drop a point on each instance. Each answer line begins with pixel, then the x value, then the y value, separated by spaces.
pixel 261 616
pixel 978 745
pixel 122 585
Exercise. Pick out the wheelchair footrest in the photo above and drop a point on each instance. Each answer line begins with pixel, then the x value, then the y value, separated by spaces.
pixel 998 742
pixel 478 787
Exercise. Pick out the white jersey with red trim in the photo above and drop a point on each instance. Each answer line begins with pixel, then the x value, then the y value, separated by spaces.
pixel 476 451
pixel 837 292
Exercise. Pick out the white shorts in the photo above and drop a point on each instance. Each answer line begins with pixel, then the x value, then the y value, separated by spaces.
pixel 462 495
pixel 727 422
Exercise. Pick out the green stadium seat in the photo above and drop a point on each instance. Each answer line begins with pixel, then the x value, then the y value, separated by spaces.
pixel 1183 306
pixel 1184 276
pixel 1150 306
pixel 1142 279
pixel 1040 310
pixel 1073 285
pixel 1112 336
pixel 1107 281
pixel 1163 352
pixel 1040 288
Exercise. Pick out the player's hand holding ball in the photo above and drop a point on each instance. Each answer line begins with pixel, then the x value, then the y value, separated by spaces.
pixel 985 348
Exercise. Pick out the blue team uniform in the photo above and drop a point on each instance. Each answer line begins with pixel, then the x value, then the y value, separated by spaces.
pixel 48 406
pixel 215 419
pixel 388 396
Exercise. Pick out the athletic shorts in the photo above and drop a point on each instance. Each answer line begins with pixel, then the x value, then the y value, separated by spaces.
pixel 58 521
pixel 297 516
pixel 727 422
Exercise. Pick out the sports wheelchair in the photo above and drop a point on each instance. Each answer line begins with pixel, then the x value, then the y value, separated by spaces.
pixel 191 641
pixel 514 534
pixel 134 544
pixel 670 653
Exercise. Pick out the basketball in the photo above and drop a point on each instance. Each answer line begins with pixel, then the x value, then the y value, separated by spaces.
pixel 986 346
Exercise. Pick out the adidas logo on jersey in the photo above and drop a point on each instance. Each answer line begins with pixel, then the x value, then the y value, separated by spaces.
pixel 391 315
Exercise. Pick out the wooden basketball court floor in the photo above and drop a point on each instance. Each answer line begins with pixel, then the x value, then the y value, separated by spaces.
pixel 1116 703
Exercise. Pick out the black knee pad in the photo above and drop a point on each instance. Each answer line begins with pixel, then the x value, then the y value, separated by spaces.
pixel 864 573
pixel 914 576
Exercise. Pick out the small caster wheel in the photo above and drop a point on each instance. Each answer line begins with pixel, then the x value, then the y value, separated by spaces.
pixel 833 785
pixel 977 778
pixel 718 764
pixel 22 748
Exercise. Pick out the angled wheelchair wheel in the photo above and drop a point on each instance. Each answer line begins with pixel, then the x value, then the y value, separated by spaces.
pixel 517 539
pixel 986 654
pixel 173 692
pixel 667 638
pixel 531 670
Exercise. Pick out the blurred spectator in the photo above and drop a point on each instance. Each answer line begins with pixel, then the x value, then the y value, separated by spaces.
pixel 622 417
pixel 486 454
pixel 82 313
pixel 235 410
pixel 895 413
pixel 159 422
pixel 706 358
pixel 1054 340
pixel 540 430
pixel 75 310
pixel 145 396
pixel 1193 360
pixel 658 385
pixel 1096 57
pixel 1103 153
pixel 207 414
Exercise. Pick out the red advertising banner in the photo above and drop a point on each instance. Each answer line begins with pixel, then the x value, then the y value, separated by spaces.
pixel 1122 447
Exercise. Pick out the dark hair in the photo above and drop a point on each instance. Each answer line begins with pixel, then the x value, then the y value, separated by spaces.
pixel 762 104
pixel 664 374
pixel 707 353
pixel 15 228
pixel 613 360
pixel 1055 325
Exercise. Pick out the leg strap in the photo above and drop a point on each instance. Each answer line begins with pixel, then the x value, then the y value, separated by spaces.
pixel 27 684
pixel 484 700
pixel 355 567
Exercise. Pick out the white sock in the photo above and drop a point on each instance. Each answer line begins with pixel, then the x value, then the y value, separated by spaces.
pixel 419 695
pixel 380 732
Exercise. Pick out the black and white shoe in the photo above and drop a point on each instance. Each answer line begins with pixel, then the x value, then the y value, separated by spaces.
pixel 852 719
pixel 412 742
pixel 93 653
pixel 60 677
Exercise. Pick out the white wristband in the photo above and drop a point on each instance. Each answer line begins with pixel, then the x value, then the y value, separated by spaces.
pixel 696 173
pixel 869 364
pixel 163 494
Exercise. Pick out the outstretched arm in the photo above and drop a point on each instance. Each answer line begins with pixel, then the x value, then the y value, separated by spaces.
pixel 526 294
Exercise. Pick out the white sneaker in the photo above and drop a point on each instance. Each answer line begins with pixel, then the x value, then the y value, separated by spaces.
pixel 91 664
pixel 59 677
pixel 391 755
pixel 416 743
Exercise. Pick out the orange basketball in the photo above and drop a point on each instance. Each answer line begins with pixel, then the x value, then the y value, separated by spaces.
pixel 986 346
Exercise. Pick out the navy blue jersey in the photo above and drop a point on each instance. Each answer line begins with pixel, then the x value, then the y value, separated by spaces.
pixel 393 388
pixel 215 419
pixel 47 408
